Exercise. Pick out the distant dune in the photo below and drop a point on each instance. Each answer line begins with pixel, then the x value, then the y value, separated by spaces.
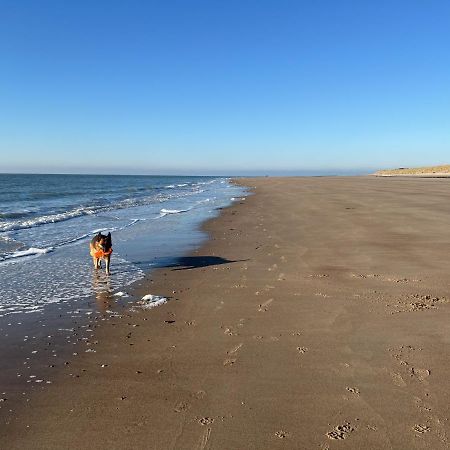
pixel 432 171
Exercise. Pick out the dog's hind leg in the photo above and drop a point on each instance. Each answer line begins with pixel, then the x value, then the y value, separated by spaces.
pixel 107 262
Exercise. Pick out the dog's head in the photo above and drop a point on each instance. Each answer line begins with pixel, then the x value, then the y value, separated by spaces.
pixel 104 242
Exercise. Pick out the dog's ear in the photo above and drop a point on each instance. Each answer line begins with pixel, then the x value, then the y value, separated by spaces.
pixel 108 238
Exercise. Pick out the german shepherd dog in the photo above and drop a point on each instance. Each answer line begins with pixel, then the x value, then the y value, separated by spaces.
pixel 101 249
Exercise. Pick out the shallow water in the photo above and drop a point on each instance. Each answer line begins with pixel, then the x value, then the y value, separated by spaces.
pixel 46 222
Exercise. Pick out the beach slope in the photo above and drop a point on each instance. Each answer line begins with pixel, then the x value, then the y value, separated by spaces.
pixel 315 317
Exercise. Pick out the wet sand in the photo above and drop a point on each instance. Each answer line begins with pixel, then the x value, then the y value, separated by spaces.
pixel 316 316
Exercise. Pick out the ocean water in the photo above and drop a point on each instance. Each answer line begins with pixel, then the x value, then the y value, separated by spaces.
pixel 47 221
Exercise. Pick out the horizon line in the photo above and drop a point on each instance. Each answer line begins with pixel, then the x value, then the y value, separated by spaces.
pixel 257 173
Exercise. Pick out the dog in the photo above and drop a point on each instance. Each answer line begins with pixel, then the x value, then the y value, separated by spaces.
pixel 101 249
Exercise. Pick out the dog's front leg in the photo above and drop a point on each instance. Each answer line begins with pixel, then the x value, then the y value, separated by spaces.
pixel 107 262
pixel 95 262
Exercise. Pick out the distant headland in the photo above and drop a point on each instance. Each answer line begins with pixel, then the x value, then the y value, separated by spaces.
pixel 430 172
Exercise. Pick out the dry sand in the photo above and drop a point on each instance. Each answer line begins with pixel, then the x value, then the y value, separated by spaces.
pixel 426 172
pixel 317 316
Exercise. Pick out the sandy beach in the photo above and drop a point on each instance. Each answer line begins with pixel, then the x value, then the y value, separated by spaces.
pixel 317 316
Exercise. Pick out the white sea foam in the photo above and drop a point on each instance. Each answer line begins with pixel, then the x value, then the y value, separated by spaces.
pixel 121 294
pixel 7 238
pixel 150 301
pixel 28 289
pixel 37 251
pixel 173 211
pixel 206 200
pixel 203 183
pixel 165 212
pixel 48 218
pixel 99 230
pixel 30 252
pixel 80 211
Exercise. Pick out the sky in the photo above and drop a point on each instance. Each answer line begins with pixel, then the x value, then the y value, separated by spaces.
pixel 230 87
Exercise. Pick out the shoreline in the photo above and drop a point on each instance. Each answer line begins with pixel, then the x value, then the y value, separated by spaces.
pixel 16 396
pixel 36 346
pixel 305 318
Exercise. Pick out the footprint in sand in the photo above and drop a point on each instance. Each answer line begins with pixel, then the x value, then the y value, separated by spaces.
pixel 302 350
pixel 353 390
pixel 204 437
pixel 408 351
pixel 219 307
pixel 421 429
pixel 420 306
pixel 420 374
pixel 229 331
pixel 274 267
pixel 388 278
pixel 282 434
pixel 281 277
pixel 229 361
pixel 181 407
pixel 362 275
pixel 420 404
pixel 417 302
pixel 263 307
pixel 341 431
pixel 206 421
pixel 199 394
pixel 398 379
pixel 235 349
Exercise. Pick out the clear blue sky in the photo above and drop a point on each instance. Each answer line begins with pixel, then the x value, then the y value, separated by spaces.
pixel 223 86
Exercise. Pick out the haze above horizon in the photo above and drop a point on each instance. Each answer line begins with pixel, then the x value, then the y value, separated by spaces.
pixel 288 87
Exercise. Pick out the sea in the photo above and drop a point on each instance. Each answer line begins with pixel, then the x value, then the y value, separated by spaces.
pixel 47 222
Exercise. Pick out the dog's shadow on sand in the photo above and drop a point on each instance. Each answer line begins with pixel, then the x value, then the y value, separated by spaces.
pixel 196 262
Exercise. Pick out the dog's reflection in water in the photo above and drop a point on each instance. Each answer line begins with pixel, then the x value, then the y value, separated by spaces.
pixel 103 292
